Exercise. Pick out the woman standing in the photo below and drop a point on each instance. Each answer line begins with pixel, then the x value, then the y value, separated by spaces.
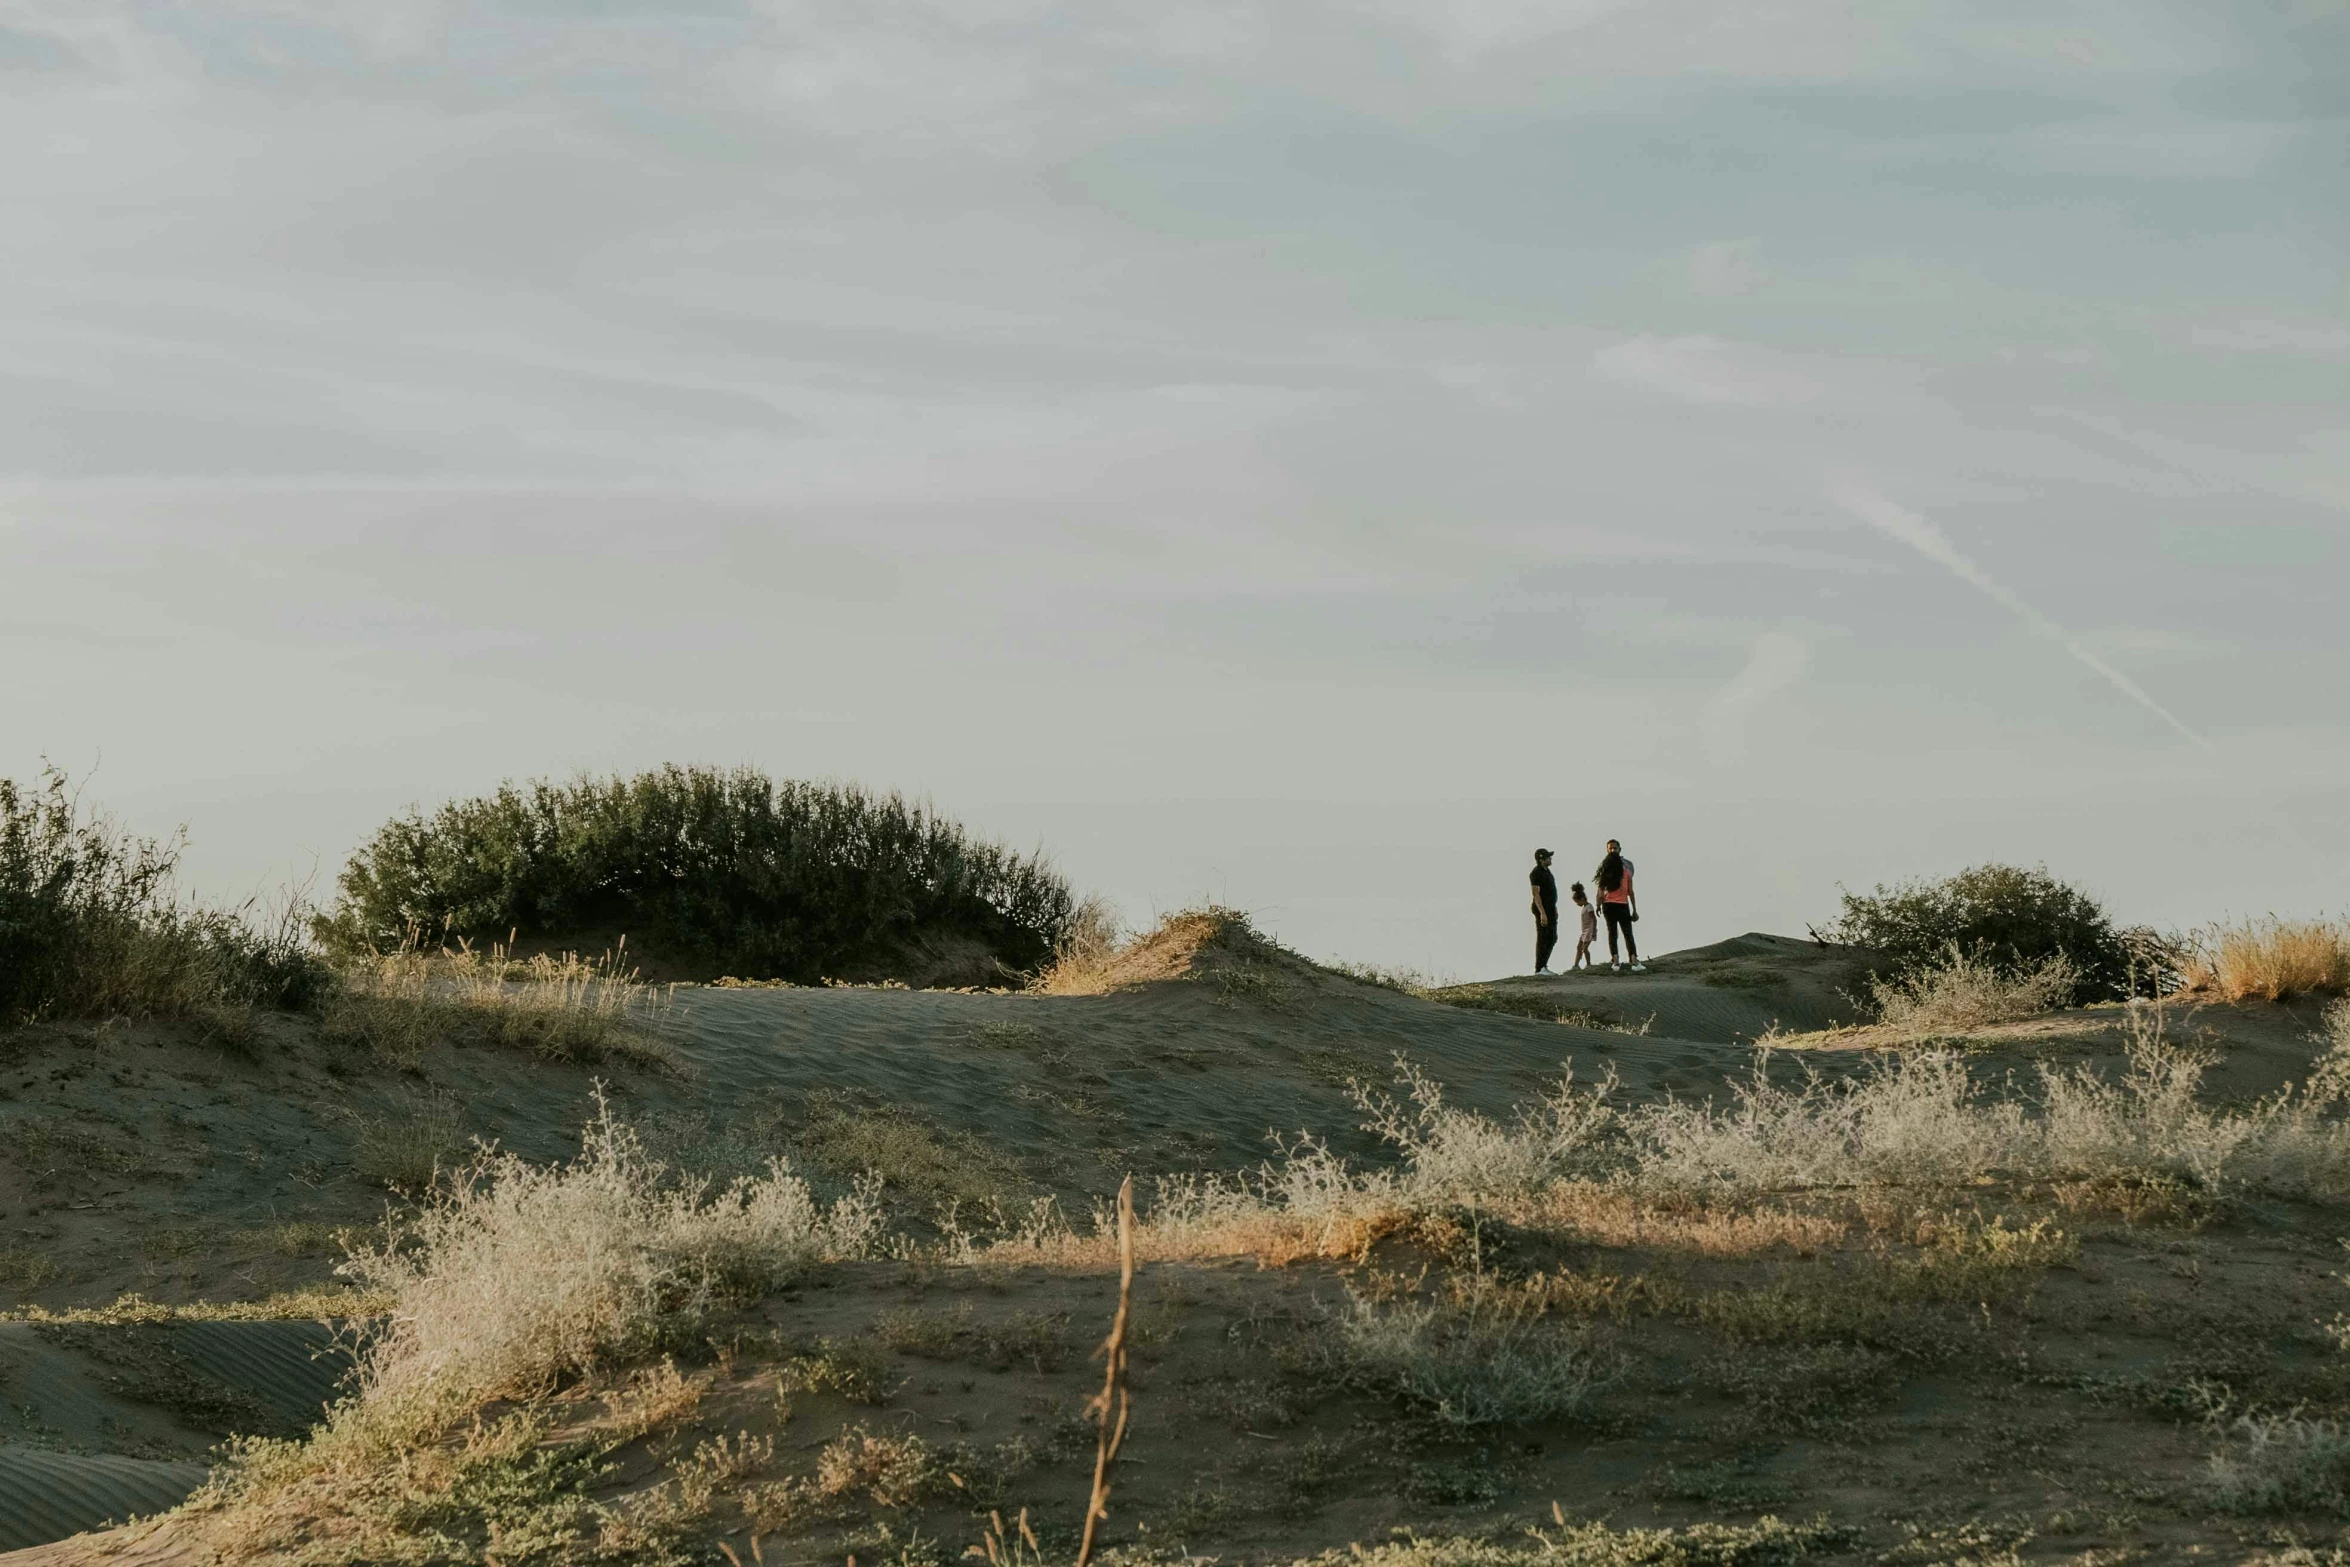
pixel 1616 901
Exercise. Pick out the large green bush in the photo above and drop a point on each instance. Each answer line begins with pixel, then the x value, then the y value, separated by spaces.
pixel 91 924
pixel 2012 918
pixel 724 872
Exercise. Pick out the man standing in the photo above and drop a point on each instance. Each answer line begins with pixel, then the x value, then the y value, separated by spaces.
pixel 1546 910
pixel 1617 902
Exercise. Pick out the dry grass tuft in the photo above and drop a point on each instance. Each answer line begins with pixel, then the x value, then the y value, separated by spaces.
pixel 854 1368
pixel 895 1469
pixel 1181 946
pixel 1962 992
pixel 1614 1217
pixel 394 1005
pixel 1767 1542
pixel 655 1398
pixel 2269 960
pixel 311 1305
pixel 409 1152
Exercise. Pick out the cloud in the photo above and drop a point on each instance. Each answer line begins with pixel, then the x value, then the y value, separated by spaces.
pixel 1775 664
pixel 1696 368
pixel 1468 29
pixel 1859 498
pixel 1725 268
pixel 2147 641
pixel 2278 337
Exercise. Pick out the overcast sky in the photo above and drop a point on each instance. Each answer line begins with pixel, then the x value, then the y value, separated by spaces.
pixel 1302 455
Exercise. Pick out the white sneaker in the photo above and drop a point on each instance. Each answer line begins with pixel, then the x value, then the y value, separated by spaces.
pixel 1615 968
pixel 1639 968
pixel 1553 973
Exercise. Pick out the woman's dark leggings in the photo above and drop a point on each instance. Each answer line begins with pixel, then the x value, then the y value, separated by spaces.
pixel 1619 917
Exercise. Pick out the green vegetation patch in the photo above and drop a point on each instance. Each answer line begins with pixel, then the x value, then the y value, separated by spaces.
pixel 729 872
pixel 91 925
pixel 921 1163
pixel 2003 915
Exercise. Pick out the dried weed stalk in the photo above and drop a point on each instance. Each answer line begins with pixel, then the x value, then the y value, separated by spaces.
pixel 1111 1406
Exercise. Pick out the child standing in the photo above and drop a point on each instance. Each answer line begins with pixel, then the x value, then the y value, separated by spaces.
pixel 1587 932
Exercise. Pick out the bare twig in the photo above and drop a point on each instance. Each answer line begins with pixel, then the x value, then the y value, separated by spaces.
pixel 1109 1407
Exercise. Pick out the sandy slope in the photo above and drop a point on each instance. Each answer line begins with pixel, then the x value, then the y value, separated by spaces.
pixel 107 1420
pixel 132 1159
pixel 140 1162
pixel 1733 990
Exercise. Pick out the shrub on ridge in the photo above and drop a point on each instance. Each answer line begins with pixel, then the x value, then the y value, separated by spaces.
pixel 2005 916
pixel 729 872
pixel 92 925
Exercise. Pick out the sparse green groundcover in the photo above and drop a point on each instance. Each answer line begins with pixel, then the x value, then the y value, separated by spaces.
pixel 1768 1542
pixel 724 871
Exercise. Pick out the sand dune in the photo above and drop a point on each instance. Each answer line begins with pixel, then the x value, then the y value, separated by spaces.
pixel 142 1161
pixel 1729 992
pixel 108 1419
pixel 47 1495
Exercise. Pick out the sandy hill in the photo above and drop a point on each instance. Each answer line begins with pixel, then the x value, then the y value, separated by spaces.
pixel 1735 990
pixel 141 1160
pixel 138 1160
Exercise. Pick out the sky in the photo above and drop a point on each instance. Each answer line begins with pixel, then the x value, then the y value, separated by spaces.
pixel 1302 456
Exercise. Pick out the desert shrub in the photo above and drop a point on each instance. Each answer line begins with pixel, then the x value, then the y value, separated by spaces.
pixel 513 1275
pixel 1482 1356
pixel 1920 1119
pixel 1963 991
pixel 1916 1119
pixel 1457 1156
pixel 895 1469
pixel 729 871
pixel 2269 959
pixel 2283 1463
pixel 91 925
pixel 2002 915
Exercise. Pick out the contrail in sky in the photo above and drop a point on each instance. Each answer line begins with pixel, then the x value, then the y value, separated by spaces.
pixel 1859 498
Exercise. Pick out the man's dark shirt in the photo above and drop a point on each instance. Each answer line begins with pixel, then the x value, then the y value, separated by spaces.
pixel 1546 891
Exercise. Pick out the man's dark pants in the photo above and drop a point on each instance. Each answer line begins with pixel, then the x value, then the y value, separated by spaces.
pixel 1546 937
pixel 1619 917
